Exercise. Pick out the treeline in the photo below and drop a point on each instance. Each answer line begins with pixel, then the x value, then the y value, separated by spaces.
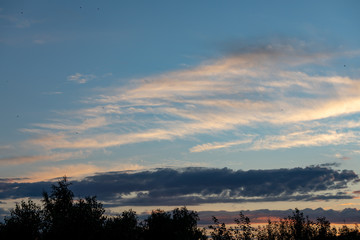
pixel 63 217
pixel 294 227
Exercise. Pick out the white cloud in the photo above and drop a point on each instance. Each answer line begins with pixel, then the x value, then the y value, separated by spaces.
pixel 80 78
pixel 52 93
pixel 217 145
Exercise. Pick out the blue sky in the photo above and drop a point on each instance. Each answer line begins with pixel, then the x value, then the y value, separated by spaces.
pixel 90 87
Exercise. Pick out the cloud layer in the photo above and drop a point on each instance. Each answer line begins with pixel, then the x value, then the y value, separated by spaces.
pixel 193 186
pixel 257 98
pixel 264 88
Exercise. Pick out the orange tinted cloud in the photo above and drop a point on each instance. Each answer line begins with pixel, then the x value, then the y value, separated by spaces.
pixel 74 171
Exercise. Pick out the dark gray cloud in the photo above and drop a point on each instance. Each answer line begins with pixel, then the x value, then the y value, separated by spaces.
pixel 348 215
pixel 333 164
pixel 192 186
pixel 10 190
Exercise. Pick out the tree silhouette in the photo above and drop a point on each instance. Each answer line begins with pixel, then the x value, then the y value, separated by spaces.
pixel 346 233
pixel 25 222
pixel 124 226
pixel 243 230
pixel 185 225
pixel 219 230
pixel 181 224
pixel 158 225
pixel 57 210
pixel 301 227
pixel 323 230
pixel 87 218
pixel 65 219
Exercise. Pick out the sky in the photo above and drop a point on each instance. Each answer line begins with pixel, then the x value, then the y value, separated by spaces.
pixel 217 105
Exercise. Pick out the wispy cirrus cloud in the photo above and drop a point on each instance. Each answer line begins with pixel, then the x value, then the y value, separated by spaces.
pixel 6 147
pixel 52 93
pixel 84 125
pixel 304 139
pixel 57 156
pixel 19 20
pixel 217 145
pixel 265 88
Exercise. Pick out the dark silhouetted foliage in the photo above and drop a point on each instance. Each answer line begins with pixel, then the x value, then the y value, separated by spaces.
pixel 185 224
pixel 292 227
pixel 243 230
pixel 158 225
pixel 69 219
pixel 124 226
pixel 25 222
pixel 181 224
pixel 219 230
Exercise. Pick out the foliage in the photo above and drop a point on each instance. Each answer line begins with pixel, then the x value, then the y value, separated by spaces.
pixel 243 230
pixel 219 230
pixel 24 222
pixel 69 219
pixel 293 227
pixel 180 224
pixel 124 226
pixel 185 225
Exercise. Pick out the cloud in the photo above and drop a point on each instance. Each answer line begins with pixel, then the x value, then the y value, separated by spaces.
pixel 86 124
pixel 39 158
pixel 341 157
pixel 217 145
pixel 80 78
pixel 306 138
pixel 100 111
pixel 19 21
pixel 52 93
pixel 49 173
pixel 253 89
pixel 72 171
pixel 334 164
pixel 10 180
pixel 348 215
pixel 5 147
pixel 204 185
pixel 193 186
